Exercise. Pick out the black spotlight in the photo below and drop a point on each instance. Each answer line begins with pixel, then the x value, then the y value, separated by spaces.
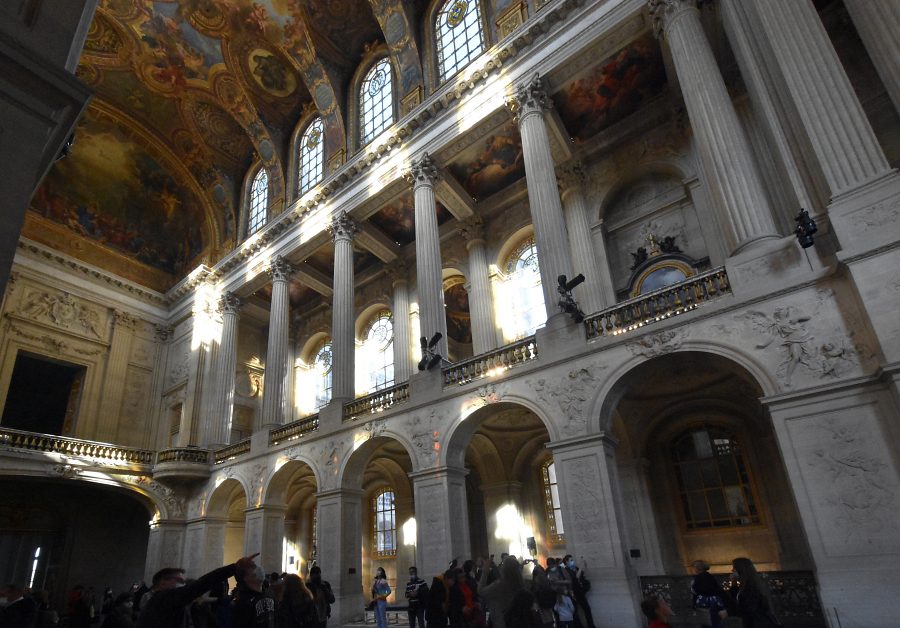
pixel 806 227
pixel 567 302
pixel 430 357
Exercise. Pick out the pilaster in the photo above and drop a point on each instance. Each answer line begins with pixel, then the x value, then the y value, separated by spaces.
pixel 116 370
pixel 442 520
pixel 339 550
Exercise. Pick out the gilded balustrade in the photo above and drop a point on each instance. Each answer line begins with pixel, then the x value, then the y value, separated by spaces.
pixel 183 454
pixel 294 430
pixel 231 452
pixel 491 363
pixel 376 401
pixel 30 441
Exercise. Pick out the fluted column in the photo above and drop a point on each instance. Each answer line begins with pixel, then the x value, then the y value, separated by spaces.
pixel 596 292
pixel 116 368
pixel 726 159
pixel 481 305
pixel 878 22
pixel 429 282
pixel 822 96
pixel 222 405
pixel 273 402
pixel 343 339
pixel 398 272
pixel 528 104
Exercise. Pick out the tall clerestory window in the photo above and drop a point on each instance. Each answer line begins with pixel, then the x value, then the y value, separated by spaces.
pixel 259 202
pixel 311 156
pixel 552 509
pixel 322 374
pixel 376 356
pixel 376 102
pixel 385 515
pixel 524 294
pixel 459 36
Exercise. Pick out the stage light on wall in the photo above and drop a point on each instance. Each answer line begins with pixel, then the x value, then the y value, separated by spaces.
pixel 567 302
pixel 806 228
pixel 430 357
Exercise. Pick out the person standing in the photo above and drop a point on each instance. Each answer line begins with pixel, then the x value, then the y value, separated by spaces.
pixel 751 595
pixel 657 611
pixel 296 609
pixel 565 610
pixel 580 587
pixel 417 598
pixel 118 612
pixel 20 611
pixel 498 596
pixel 380 592
pixel 254 608
pixel 323 597
pixel 708 594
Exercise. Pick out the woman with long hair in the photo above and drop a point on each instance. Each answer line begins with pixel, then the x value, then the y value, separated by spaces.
pixel 380 592
pixel 751 596
pixel 296 609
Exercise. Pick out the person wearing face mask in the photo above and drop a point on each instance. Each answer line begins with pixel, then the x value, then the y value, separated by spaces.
pixel 322 595
pixel 417 598
pixel 167 606
pixel 579 589
pixel 254 607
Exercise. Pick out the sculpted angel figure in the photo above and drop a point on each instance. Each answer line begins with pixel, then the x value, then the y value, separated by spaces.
pixel 787 326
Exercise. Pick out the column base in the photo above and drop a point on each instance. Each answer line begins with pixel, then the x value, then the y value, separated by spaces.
pixel 769 266
pixel 868 218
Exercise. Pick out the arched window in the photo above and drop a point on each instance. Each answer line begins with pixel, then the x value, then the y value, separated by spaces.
pixel 459 36
pixel 376 102
pixel 321 367
pixel 552 508
pixel 377 353
pixel 259 202
pixel 385 515
pixel 311 156
pixel 714 481
pixel 523 303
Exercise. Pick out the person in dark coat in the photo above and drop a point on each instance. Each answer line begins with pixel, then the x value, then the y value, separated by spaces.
pixel 20 610
pixel 750 595
pixel 253 608
pixel 119 612
pixel 323 597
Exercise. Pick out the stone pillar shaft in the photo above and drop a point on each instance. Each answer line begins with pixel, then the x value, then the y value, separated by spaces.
pixel 402 353
pixel 339 550
pixel 823 98
pixel 481 303
pixel 725 155
pixel 878 22
pixel 222 406
pixel 528 103
pixel 429 280
pixel 273 402
pixel 116 371
pixel 442 519
pixel 343 337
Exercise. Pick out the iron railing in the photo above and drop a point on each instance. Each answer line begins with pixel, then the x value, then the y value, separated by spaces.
pixel 31 441
pixel 376 401
pixel 493 362
pixel 659 304
pixel 294 430
pixel 231 452
pixel 183 454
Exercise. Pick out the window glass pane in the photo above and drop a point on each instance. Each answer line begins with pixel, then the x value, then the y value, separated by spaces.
pixel 458 34
pixel 311 156
pixel 690 476
pixel 526 296
pixel 557 514
pixel 376 355
pixel 716 504
pixel 697 504
pixel 385 524
pixel 551 501
pixel 710 473
pixel 259 202
pixel 322 368
pixel 376 105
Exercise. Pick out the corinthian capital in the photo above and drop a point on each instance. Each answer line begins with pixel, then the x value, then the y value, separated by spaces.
pixel 529 97
pixel 423 172
pixel 663 12
pixel 229 303
pixel 280 269
pixel 343 227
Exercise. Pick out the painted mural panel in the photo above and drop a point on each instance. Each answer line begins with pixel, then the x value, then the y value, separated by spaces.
pixel 459 321
pixel 612 90
pixel 112 189
pixel 397 219
pixel 492 165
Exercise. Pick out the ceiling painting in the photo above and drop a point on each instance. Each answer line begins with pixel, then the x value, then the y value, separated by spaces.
pixel 322 260
pixel 397 219
pixel 397 19
pixel 116 189
pixel 492 164
pixel 612 90
pixel 299 295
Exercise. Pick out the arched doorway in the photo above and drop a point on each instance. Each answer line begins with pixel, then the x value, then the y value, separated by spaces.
pixel 293 488
pixel 227 510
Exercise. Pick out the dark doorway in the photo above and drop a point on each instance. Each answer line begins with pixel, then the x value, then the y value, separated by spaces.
pixel 43 395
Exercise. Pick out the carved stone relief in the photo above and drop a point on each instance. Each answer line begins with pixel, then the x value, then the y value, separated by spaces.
pixel 570 394
pixel 660 343
pixel 178 363
pixel 424 431
pixel 62 310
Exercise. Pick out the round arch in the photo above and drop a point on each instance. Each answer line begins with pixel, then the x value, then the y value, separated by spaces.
pixel 668 168
pixel 354 466
pixel 223 496
pixel 280 481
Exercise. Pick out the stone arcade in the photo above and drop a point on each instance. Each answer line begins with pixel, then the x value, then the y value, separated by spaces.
pixel 223 284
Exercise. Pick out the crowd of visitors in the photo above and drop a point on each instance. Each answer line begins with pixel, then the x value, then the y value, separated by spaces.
pixel 477 594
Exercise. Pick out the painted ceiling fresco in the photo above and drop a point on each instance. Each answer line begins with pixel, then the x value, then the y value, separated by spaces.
pixel 114 190
pixel 612 90
pixel 298 294
pixel 397 219
pixel 491 164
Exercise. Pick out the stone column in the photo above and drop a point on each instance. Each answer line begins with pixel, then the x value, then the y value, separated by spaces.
pixel 114 380
pixel 165 546
pixel 429 280
pixel 343 337
pixel 597 291
pixel 442 519
pixel 481 303
pixel 528 104
pixel 499 495
pixel 398 271
pixel 222 404
pixel 339 549
pixel 273 401
pixel 878 22
pixel 726 159
pixel 271 544
pixel 591 513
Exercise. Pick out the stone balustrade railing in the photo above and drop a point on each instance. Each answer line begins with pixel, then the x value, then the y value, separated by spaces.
pixel 16 439
pixel 183 454
pixel 491 363
pixel 294 430
pixel 232 451
pixel 376 401
pixel 659 304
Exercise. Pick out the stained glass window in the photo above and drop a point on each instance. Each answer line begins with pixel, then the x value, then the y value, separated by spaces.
pixel 376 104
pixel 322 377
pixel 713 480
pixel 311 156
pixel 259 202
pixel 385 524
pixel 377 353
pixel 459 36
pixel 551 501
